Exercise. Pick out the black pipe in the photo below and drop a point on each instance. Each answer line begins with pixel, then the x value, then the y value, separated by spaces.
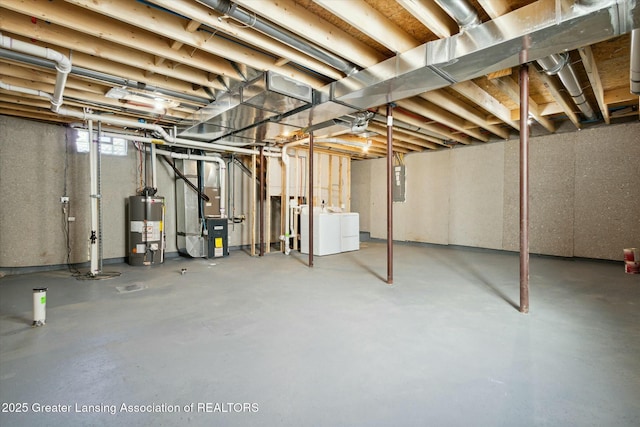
pixel 186 180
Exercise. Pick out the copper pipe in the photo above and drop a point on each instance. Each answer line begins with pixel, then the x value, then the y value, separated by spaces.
pixel 261 200
pixel 389 194
pixel 524 186
pixel 310 199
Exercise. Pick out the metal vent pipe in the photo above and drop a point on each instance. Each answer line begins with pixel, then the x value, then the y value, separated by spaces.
pixel 466 16
pixel 232 10
pixel 461 11
pixel 558 64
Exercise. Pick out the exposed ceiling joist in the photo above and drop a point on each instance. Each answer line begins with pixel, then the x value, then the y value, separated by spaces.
pixel 195 53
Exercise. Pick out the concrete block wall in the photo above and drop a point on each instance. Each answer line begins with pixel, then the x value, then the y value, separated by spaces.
pixel 584 188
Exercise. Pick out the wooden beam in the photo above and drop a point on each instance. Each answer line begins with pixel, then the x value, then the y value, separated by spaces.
pixel 201 13
pixel 118 43
pixel 554 89
pixel 431 16
pixel 176 45
pixel 619 95
pixel 369 21
pixel 428 109
pixel 499 73
pixel 591 68
pixel 167 25
pixel 434 128
pixel 480 97
pixel 295 17
pixel 42 79
pixel 330 183
pixel 511 89
pixel 408 135
pixel 192 25
pixel 495 8
pixel 462 109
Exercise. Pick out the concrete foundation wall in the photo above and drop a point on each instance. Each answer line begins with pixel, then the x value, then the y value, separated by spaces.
pixel 32 180
pixel 584 194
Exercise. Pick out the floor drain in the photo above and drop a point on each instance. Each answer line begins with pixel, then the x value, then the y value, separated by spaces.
pixel 131 288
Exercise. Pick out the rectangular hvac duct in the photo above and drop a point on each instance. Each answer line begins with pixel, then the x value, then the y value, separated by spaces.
pixel 541 28
pixel 267 132
pixel 268 95
pixel 188 227
pixel 276 93
pixel 322 110
pixel 213 120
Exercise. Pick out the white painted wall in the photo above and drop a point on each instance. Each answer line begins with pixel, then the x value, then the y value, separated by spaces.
pixel 584 186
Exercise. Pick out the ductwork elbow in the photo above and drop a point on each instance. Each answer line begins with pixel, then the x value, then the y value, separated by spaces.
pixel 634 74
pixel 461 11
pixel 63 63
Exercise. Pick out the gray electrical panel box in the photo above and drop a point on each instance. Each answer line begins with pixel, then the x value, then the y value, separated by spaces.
pixel 398 183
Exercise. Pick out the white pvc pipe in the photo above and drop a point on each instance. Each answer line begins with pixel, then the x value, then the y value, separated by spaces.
pixel 63 65
pixel 26 90
pixel 93 194
pixel 222 170
pixel 165 137
pixel 285 161
pixel 288 231
pixel 154 178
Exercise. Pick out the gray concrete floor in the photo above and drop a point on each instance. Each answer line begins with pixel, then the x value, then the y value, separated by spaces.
pixel 328 346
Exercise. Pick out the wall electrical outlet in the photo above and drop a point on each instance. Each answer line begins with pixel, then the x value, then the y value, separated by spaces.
pixel 64 199
pixel 72 218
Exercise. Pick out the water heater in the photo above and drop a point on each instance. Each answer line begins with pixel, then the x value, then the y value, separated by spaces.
pixel 146 230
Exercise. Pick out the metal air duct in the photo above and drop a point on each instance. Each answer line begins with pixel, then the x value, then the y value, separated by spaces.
pixel 541 28
pixel 557 64
pixel 232 10
pixel 251 105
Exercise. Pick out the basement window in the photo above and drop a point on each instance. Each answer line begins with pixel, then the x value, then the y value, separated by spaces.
pixel 108 145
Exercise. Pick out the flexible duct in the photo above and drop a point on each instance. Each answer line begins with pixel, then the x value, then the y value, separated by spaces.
pixel 232 10
pixel 63 64
pixel 635 62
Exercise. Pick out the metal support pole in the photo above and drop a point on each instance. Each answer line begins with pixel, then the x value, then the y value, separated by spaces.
pixel 99 192
pixel 253 205
pixel 262 189
pixel 310 202
pixel 389 194
pixel 524 185
pixel 93 194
